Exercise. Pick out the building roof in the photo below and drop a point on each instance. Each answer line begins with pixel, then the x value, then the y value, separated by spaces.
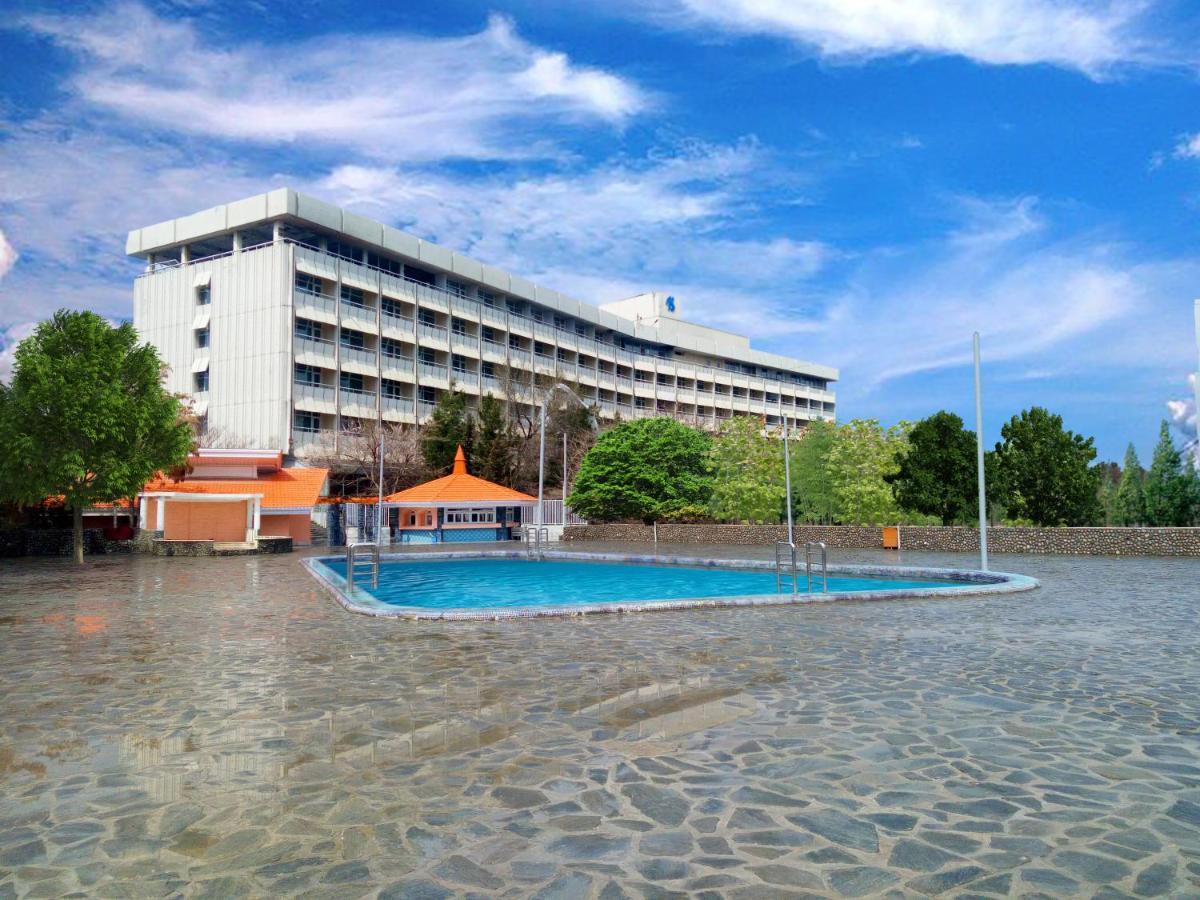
pixel 459 488
pixel 294 488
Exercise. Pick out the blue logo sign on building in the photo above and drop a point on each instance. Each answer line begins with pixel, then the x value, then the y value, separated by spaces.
pixel 670 304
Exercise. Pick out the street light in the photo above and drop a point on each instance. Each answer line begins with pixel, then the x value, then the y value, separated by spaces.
pixel 542 447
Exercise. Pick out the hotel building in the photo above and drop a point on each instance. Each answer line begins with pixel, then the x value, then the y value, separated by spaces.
pixel 289 321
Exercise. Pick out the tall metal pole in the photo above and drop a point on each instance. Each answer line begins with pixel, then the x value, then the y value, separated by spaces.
pixel 541 464
pixel 787 473
pixel 1197 384
pixel 379 511
pixel 564 486
pixel 983 559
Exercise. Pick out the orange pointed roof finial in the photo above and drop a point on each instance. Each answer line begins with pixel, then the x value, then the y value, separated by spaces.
pixel 460 462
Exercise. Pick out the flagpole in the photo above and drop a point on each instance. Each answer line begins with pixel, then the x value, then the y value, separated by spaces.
pixel 983 551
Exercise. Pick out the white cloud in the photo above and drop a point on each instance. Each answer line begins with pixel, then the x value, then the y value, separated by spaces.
pixel 8 255
pixel 1188 147
pixel 1182 414
pixel 1078 34
pixel 488 95
pixel 9 339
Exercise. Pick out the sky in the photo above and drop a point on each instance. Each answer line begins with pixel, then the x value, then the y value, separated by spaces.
pixel 860 183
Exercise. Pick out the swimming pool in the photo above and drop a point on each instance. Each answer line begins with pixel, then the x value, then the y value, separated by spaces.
pixel 505 583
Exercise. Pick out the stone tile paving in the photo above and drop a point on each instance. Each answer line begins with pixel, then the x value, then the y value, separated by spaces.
pixel 220 728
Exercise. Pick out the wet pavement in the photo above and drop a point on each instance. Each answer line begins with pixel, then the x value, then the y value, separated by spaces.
pixel 220 727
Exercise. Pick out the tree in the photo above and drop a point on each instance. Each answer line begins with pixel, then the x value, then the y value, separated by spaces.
pixel 937 476
pixel 645 469
pixel 450 426
pixel 495 443
pixel 747 472
pixel 353 458
pixel 1044 471
pixel 1171 486
pixel 812 488
pixel 862 459
pixel 1129 502
pixel 86 417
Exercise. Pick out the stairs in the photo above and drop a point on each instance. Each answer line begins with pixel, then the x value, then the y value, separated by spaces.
pixel 319 534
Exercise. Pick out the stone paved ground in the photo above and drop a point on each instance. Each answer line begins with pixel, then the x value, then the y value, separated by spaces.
pixel 218 728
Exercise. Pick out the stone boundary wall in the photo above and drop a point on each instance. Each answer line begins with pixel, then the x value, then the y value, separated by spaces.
pixel 938 538
pixel 57 542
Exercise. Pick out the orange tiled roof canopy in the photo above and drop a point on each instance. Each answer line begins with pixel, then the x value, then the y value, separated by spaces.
pixel 459 488
pixel 284 489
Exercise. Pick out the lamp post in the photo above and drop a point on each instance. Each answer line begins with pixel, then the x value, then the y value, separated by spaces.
pixel 379 510
pixel 542 448
pixel 787 474
pixel 980 478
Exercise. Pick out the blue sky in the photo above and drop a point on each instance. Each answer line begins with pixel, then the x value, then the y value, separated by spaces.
pixel 860 182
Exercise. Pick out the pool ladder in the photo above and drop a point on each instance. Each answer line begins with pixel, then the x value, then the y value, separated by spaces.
pixel 786 563
pixel 353 562
pixel 535 537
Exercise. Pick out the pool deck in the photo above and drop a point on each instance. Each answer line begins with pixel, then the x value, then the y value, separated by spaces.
pixel 221 728
pixel 359 599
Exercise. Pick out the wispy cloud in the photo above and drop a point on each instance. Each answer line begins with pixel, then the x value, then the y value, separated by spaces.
pixel 387 95
pixel 1188 147
pixel 1077 34
pixel 8 255
pixel 1182 414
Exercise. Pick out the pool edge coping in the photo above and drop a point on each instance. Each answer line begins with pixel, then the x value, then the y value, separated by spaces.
pixel 973 583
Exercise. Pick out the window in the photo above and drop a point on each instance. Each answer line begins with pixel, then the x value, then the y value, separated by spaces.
pixel 306 328
pixel 200 381
pixel 428 356
pixel 393 389
pixel 355 340
pixel 514 342
pixel 305 374
pixel 392 348
pixel 392 307
pixel 488 369
pixel 203 295
pixel 514 307
pixel 459 363
pixel 383 262
pixel 427 395
pixel 581 329
pixel 353 296
pixel 489 334
pixel 426 317
pixel 346 251
pixel 351 381
pixel 202 337
pixel 458 326
pixel 470 516
pixel 561 322
pixel 308 284
pixel 456 287
pixel 307 421
pixel 487 298
pixel 414 273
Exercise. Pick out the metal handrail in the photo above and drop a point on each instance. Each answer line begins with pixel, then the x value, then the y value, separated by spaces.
pixel 808 549
pixel 534 538
pixel 352 561
pixel 780 562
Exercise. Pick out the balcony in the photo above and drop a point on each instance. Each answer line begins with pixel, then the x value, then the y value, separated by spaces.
pixel 356 403
pixel 491 316
pixel 358 359
pixel 397 366
pixel 466 380
pixel 424 410
pixel 309 439
pixel 467 343
pixel 432 334
pixel 316 351
pixel 358 317
pixel 315 306
pixel 521 359
pixel 314 397
pixel 397 407
pixel 432 372
pixel 490 385
pixel 394 323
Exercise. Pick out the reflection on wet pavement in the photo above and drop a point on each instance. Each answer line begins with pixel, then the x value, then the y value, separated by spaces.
pixel 218 727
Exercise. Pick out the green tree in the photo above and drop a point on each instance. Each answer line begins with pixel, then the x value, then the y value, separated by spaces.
pixel 1043 471
pixel 747 472
pixel 645 469
pixel 1171 492
pixel 495 443
pixel 86 417
pixel 1129 502
pixel 863 458
pixel 937 475
pixel 450 425
pixel 813 499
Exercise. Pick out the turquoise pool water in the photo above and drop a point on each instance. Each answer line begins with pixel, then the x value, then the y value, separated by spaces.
pixel 474 584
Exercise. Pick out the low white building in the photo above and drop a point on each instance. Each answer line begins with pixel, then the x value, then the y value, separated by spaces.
pixel 288 320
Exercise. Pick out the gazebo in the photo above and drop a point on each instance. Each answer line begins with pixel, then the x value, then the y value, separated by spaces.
pixel 457 508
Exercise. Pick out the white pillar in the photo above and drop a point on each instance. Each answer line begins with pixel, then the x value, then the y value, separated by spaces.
pixel 257 515
pixel 143 511
pixel 237 242
pixel 160 515
pixel 185 255
pixel 276 232
pixel 150 262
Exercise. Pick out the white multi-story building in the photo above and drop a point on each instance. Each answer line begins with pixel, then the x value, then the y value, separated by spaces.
pixel 288 321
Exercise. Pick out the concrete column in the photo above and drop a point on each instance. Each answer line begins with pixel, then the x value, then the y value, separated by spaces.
pixel 143 511
pixel 150 260
pixel 237 242
pixel 276 232
pixel 185 255
pixel 257 515
pixel 160 515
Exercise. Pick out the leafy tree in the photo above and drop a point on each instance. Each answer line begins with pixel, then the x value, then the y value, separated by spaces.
pixel 862 459
pixel 86 417
pixel 1171 493
pixel 495 443
pixel 812 488
pixel 645 469
pixel 747 472
pixel 449 426
pixel 1129 502
pixel 1044 471
pixel 937 476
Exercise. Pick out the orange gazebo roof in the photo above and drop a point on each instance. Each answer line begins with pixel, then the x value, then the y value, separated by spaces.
pixel 459 488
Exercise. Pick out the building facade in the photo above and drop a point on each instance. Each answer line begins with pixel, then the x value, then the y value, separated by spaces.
pixel 289 321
